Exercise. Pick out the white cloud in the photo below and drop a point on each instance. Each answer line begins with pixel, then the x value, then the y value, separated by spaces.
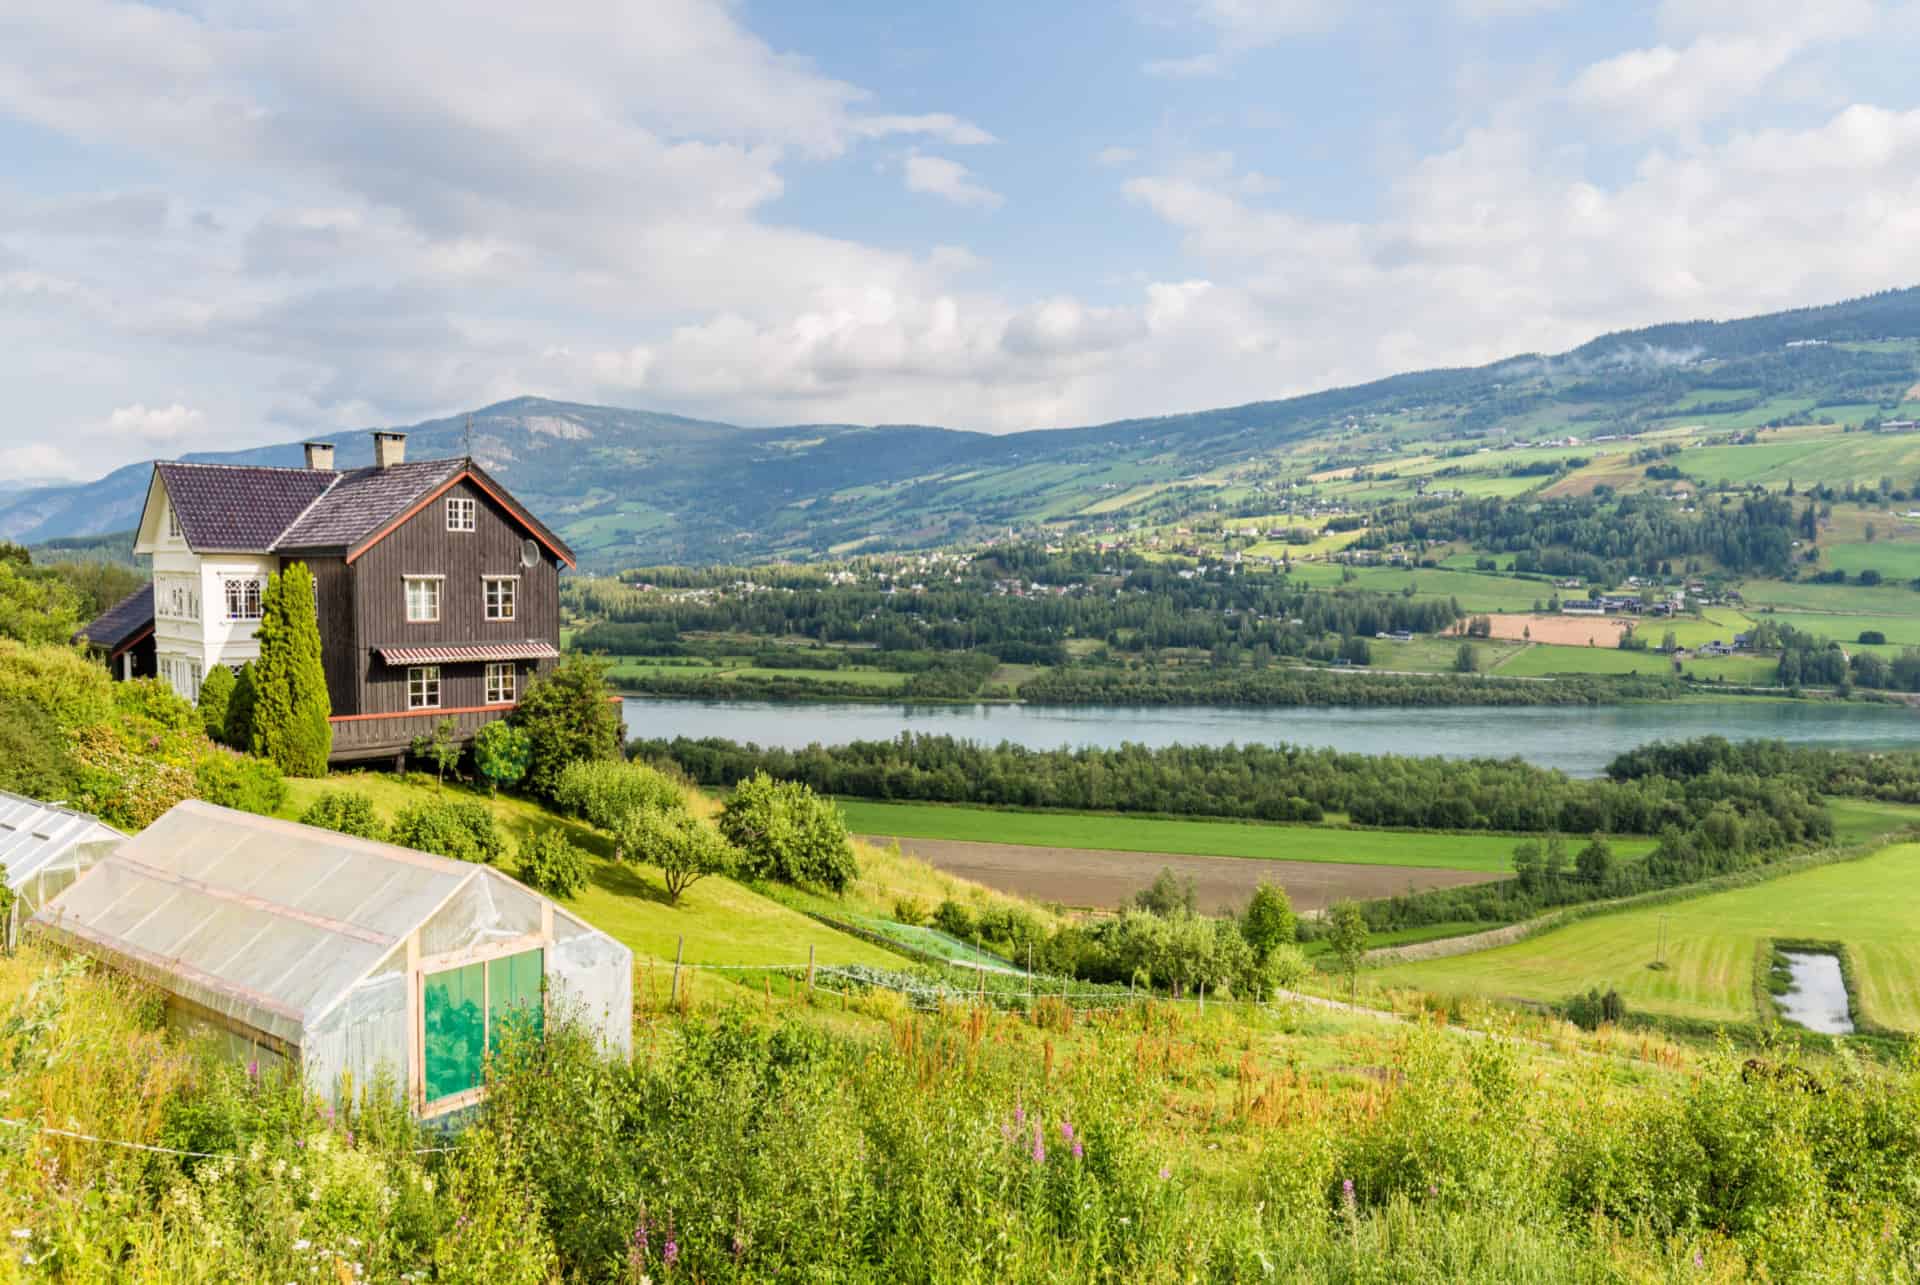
pixel 1237 27
pixel 159 425
pixel 940 125
pixel 1115 157
pixel 938 176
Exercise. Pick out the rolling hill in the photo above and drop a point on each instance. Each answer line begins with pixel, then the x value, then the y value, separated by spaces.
pixel 631 487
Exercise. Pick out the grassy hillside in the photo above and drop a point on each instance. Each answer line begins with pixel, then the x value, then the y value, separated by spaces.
pixel 1710 946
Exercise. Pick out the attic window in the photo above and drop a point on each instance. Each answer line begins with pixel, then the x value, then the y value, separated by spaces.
pixel 459 513
pixel 173 523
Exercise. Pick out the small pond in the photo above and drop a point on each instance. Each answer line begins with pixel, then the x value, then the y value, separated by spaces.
pixel 1818 999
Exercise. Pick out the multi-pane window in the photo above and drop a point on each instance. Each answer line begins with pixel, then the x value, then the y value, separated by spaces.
pixel 499 591
pixel 243 599
pixel 459 513
pixel 423 687
pixel 423 598
pixel 177 599
pixel 500 683
pixel 173 523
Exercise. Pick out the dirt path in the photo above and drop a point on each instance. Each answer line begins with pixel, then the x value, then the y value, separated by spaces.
pixel 1104 878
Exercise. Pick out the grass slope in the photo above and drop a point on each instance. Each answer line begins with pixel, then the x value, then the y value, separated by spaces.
pixel 1489 852
pixel 1710 946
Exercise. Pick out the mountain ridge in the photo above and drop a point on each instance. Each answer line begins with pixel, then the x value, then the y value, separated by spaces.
pixel 632 486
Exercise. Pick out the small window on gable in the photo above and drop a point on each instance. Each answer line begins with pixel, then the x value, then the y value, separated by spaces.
pixel 173 522
pixel 459 513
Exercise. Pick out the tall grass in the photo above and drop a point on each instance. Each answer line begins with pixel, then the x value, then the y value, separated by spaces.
pixel 755 1141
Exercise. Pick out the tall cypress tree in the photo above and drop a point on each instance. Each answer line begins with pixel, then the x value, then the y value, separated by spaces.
pixel 290 688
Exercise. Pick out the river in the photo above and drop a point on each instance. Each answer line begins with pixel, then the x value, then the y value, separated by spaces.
pixel 1579 740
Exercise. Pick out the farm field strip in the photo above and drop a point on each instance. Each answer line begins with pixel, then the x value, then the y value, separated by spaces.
pixel 1710 946
pixel 1487 853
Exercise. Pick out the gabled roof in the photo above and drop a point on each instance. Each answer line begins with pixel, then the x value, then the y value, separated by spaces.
pixel 255 508
pixel 236 507
pixel 122 624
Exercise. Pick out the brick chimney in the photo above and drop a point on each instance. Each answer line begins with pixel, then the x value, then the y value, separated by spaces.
pixel 320 456
pixel 389 449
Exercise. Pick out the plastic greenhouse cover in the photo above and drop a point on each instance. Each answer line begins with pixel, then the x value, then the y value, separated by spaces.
pixel 265 921
pixel 45 847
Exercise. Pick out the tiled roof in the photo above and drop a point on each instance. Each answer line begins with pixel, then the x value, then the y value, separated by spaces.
pixel 121 622
pixel 360 502
pixel 239 507
pixel 454 653
pixel 285 510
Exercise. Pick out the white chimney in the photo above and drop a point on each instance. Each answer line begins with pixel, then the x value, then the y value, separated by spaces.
pixel 389 449
pixel 320 456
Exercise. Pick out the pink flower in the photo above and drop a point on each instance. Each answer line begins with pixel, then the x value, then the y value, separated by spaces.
pixel 1039 1147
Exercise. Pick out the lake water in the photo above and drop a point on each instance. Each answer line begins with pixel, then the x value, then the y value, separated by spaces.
pixel 1818 1000
pixel 1579 740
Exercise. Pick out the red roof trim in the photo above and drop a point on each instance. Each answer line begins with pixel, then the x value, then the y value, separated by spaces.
pixel 469 475
pixel 134 641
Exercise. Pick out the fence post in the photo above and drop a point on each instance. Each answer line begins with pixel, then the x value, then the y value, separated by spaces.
pixel 1203 999
pixel 810 970
pixel 1029 979
pixel 673 995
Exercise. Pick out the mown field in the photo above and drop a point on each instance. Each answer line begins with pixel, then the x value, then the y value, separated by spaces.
pixel 1710 946
pixel 1484 852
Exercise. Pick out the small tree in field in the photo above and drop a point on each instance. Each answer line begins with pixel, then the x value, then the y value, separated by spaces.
pixel 684 848
pixel 290 688
pixel 442 749
pixel 569 716
pixel 1268 921
pixel 1348 940
pixel 787 833
pixel 501 752
pixel 551 864
pixel 1466 660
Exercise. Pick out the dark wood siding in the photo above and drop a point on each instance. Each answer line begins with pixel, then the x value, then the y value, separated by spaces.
pixel 339 643
pixel 423 546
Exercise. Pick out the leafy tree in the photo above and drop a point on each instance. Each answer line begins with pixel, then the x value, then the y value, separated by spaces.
pixel 501 753
pixel 216 699
pixel 685 848
pixel 1529 865
pixel 1347 938
pixel 240 781
pixel 441 748
pixel 1466 660
pixel 787 833
pixel 569 717
pixel 1595 862
pixel 36 607
pixel 290 688
pixel 550 863
pixel 603 791
pixel 345 812
pixel 240 707
pixel 1167 895
pixel 461 830
pixel 1269 921
pixel 954 919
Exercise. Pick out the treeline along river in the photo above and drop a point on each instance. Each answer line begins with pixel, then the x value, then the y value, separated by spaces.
pixel 1579 740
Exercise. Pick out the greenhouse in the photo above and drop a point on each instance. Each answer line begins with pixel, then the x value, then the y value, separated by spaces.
pixel 361 963
pixel 43 848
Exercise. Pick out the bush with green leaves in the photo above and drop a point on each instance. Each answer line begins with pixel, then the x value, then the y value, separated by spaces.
pixel 239 781
pixel 570 717
pixel 72 690
pixel 685 848
pixel 346 812
pixel 551 863
pixel 1595 1009
pixel 910 911
pixel 787 833
pixel 501 753
pixel 1268 921
pixel 461 830
pixel 36 606
pixel 216 696
pixel 240 707
pixel 954 919
pixel 602 792
pixel 441 747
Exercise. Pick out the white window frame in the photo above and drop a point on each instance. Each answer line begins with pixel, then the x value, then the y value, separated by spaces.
pixel 433 582
pixel 250 592
pixel 425 681
pixel 462 513
pixel 173 522
pixel 486 595
pixel 503 682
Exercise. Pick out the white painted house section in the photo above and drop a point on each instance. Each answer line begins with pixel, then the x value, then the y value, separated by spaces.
pixel 205 607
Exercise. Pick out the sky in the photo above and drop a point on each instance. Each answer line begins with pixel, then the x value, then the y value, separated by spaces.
pixel 230 222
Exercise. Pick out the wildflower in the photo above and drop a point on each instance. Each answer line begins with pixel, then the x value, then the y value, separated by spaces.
pixel 303 1245
pixel 1346 1194
pixel 1077 1153
pixel 1165 1173
pixel 1699 1260
pixel 1039 1146
pixel 253 1070
pixel 1019 1114
pixel 670 1252
pixel 22 1233
pixel 1066 1131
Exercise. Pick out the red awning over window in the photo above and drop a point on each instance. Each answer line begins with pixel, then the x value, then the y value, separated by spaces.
pixel 456 653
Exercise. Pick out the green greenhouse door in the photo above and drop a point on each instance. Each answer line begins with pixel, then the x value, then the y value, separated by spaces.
pixel 466 1011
